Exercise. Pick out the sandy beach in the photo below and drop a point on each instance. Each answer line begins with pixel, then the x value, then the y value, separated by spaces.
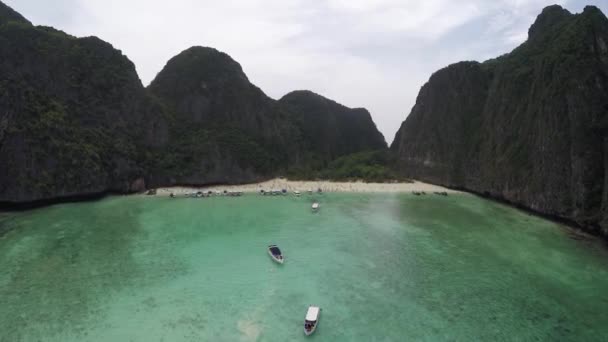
pixel 326 186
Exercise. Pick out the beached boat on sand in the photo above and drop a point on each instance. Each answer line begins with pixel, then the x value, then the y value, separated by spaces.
pixel 275 253
pixel 312 320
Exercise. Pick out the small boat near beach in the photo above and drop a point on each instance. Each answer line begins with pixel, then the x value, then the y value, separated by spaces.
pixel 297 193
pixel 275 253
pixel 312 320
pixel 315 206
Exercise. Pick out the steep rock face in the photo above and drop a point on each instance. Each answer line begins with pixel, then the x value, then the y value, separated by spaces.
pixel 224 129
pixel 76 121
pixel 71 114
pixel 8 14
pixel 331 130
pixel 528 127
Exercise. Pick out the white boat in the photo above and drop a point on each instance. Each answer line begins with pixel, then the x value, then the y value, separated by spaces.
pixel 297 193
pixel 275 253
pixel 312 320
pixel 315 206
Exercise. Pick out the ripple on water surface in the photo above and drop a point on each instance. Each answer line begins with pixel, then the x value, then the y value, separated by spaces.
pixel 388 267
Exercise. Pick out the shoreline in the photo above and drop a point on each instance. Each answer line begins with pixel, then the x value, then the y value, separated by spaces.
pixel 304 186
pixel 574 229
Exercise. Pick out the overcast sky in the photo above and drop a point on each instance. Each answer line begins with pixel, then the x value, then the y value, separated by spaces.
pixel 362 53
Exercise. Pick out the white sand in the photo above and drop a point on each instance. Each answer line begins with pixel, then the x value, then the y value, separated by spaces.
pixel 303 186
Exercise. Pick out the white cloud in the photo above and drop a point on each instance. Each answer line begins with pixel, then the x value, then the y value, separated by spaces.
pixel 362 53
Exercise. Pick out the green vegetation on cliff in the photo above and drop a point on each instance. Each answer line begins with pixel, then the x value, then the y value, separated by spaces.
pixel 222 128
pixel 218 114
pixel 75 120
pixel 368 166
pixel 71 114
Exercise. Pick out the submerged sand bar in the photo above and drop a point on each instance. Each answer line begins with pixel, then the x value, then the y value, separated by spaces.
pixel 326 186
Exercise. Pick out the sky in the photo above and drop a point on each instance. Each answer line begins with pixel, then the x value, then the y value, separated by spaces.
pixel 375 54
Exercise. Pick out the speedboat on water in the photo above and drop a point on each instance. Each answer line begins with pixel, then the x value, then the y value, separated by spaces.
pixel 275 253
pixel 312 320
pixel 315 206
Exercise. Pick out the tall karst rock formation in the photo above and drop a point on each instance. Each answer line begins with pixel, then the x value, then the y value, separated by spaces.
pixel 76 121
pixel 529 127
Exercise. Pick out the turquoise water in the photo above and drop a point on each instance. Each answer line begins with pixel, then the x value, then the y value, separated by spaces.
pixel 383 267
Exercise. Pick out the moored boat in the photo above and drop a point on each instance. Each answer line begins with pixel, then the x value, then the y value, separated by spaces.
pixel 312 320
pixel 315 206
pixel 275 253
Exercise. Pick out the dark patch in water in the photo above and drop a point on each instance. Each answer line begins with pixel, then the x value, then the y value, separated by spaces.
pixel 7 224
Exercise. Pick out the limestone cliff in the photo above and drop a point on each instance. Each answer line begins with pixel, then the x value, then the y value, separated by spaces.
pixel 223 129
pixel 529 127
pixel 71 114
pixel 329 129
pixel 76 121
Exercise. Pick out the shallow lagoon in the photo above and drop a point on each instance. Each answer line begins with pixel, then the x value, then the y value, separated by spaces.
pixel 384 267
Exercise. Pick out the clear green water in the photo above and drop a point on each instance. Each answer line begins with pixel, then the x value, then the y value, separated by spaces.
pixel 383 267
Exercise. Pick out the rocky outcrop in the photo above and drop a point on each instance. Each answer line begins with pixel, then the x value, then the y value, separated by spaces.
pixel 73 114
pixel 528 127
pixel 223 128
pixel 75 120
pixel 331 130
